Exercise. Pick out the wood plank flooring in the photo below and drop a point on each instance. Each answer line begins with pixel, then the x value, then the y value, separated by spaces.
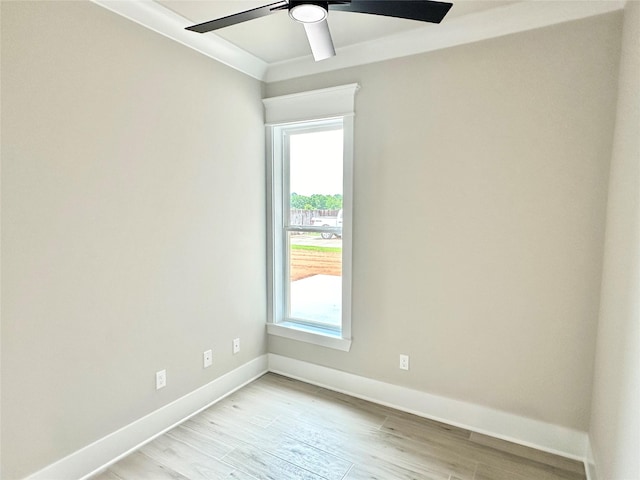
pixel 281 429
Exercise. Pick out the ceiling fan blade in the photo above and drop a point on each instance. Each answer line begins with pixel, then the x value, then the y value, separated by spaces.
pixel 239 17
pixel 320 40
pixel 423 10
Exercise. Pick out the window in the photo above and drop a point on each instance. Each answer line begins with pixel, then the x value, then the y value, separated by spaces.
pixel 309 153
pixel 312 224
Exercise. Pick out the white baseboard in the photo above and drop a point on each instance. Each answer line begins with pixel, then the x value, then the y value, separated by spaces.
pixel 532 433
pixel 544 436
pixel 101 453
pixel 589 461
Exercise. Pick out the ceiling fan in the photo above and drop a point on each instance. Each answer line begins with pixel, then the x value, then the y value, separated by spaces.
pixel 313 15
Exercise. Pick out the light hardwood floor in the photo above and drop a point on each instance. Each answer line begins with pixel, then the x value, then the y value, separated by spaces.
pixel 281 429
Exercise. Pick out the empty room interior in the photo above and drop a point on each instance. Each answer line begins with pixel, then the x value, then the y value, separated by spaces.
pixel 487 228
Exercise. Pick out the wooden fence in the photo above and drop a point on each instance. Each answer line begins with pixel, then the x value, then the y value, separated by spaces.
pixel 303 217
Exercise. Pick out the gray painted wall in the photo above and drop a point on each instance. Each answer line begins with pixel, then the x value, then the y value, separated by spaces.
pixel 125 161
pixel 480 194
pixel 615 418
pixel 122 253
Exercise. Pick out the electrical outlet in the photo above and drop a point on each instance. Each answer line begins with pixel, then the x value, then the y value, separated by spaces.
pixel 161 379
pixel 207 359
pixel 236 345
pixel 404 362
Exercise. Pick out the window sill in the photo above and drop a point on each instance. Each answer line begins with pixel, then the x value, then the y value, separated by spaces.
pixel 296 332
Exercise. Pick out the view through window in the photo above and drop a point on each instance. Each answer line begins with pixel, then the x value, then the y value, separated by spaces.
pixel 314 229
pixel 309 140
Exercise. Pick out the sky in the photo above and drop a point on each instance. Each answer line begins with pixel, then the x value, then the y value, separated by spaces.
pixel 316 163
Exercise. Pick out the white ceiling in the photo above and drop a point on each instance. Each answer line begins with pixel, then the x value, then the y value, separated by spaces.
pixel 286 38
pixel 275 47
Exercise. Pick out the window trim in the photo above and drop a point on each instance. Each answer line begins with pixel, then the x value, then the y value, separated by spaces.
pixel 313 106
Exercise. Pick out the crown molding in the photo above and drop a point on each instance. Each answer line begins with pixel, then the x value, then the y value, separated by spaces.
pixel 160 19
pixel 497 22
pixel 493 23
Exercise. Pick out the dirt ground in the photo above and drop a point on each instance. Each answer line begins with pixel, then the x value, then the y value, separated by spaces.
pixel 305 263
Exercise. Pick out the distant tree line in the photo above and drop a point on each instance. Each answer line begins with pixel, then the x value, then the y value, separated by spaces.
pixel 316 202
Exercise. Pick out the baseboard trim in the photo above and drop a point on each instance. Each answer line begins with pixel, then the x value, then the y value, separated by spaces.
pixel 543 436
pixel 98 455
pixel 589 461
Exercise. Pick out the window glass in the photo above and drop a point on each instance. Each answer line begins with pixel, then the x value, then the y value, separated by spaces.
pixel 310 211
pixel 315 192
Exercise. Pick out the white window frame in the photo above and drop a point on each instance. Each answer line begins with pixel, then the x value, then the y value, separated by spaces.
pixel 318 108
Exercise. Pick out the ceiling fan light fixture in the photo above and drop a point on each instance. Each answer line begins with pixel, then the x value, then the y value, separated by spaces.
pixel 312 14
pixel 308 13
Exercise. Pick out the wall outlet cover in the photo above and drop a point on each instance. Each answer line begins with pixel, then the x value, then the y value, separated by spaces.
pixel 404 362
pixel 207 359
pixel 161 379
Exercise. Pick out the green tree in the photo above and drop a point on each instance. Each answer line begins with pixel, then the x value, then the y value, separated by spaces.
pixel 316 202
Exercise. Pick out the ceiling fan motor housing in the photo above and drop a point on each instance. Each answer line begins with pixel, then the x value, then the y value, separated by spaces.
pixel 308 11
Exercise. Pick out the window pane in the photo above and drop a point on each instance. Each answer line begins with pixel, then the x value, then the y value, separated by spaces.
pixel 315 258
pixel 315 175
pixel 315 278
